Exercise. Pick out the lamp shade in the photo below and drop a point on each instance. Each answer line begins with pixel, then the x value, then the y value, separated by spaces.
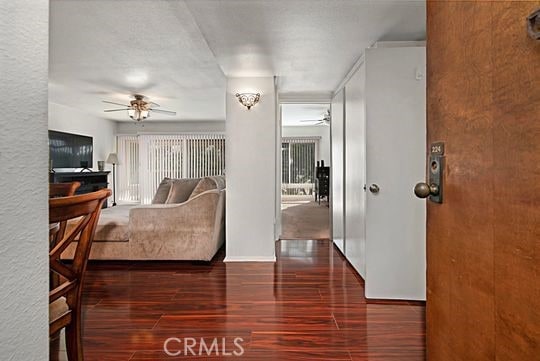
pixel 112 158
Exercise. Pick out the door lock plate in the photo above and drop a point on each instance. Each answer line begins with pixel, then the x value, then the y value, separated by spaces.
pixel 436 166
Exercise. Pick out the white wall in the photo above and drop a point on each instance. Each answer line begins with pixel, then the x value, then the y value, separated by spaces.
pixel 132 127
pixel 355 174
pixel 321 131
pixel 24 31
pixel 71 120
pixel 337 182
pixel 251 137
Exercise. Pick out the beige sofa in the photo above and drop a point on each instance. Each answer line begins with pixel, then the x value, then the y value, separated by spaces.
pixel 185 221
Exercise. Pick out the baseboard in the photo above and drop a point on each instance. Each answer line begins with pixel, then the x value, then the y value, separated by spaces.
pixel 342 255
pixel 249 259
pixel 304 239
pixel 395 301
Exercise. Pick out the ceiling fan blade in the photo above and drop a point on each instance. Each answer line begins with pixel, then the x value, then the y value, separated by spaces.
pixel 154 104
pixel 115 110
pixel 167 112
pixel 108 102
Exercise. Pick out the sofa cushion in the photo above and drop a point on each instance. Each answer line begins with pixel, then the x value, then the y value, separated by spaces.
pixel 163 191
pixel 204 185
pixel 181 190
pixel 113 224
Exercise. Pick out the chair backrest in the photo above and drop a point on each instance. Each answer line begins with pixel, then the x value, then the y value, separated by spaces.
pixel 63 189
pixel 84 211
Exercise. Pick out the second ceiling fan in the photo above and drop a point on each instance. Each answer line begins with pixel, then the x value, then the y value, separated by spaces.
pixel 325 120
pixel 139 109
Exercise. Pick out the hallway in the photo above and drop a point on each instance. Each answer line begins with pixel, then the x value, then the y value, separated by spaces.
pixel 307 306
pixel 303 218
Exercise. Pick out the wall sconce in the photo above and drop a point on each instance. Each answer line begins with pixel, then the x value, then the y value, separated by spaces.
pixel 248 99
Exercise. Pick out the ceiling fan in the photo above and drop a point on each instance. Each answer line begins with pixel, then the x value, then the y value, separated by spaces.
pixel 324 121
pixel 139 109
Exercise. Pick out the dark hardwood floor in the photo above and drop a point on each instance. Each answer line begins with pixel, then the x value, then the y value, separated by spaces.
pixel 307 306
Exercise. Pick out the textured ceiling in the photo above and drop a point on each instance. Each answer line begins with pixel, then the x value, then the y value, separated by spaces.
pixel 109 49
pixel 309 44
pixel 179 52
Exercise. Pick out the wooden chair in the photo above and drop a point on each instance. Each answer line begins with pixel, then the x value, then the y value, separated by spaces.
pixel 65 299
pixel 63 189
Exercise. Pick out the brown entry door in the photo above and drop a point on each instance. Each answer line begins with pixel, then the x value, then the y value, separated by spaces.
pixel 483 242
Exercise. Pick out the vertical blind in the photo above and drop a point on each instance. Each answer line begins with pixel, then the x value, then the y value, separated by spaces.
pixel 298 165
pixel 128 168
pixel 172 156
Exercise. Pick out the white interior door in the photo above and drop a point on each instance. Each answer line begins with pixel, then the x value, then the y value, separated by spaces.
pixel 355 174
pixel 396 146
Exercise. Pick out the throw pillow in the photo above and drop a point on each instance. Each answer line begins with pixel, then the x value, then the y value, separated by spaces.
pixel 181 190
pixel 204 185
pixel 163 191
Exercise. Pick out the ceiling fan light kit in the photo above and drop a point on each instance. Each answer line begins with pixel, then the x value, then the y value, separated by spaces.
pixel 248 99
pixel 139 109
pixel 138 115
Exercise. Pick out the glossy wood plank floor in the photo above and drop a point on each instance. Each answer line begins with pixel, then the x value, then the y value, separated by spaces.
pixel 307 306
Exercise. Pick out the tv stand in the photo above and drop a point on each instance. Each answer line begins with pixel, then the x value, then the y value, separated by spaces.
pixel 90 181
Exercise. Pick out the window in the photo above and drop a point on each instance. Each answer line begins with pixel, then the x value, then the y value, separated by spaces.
pixel 298 165
pixel 146 159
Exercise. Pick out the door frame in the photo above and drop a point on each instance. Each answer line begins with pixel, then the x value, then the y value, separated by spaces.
pixel 297 99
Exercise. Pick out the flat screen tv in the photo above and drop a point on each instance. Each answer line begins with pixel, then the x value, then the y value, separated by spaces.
pixel 68 150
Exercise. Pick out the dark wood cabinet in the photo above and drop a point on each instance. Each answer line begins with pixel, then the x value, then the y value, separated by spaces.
pixel 90 181
pixel 322 184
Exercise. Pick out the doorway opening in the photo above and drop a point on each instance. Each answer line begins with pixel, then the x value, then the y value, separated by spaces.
pixel 305 171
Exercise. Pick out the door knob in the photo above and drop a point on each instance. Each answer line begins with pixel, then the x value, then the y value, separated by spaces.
pixel 424 190
pixel 374 188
